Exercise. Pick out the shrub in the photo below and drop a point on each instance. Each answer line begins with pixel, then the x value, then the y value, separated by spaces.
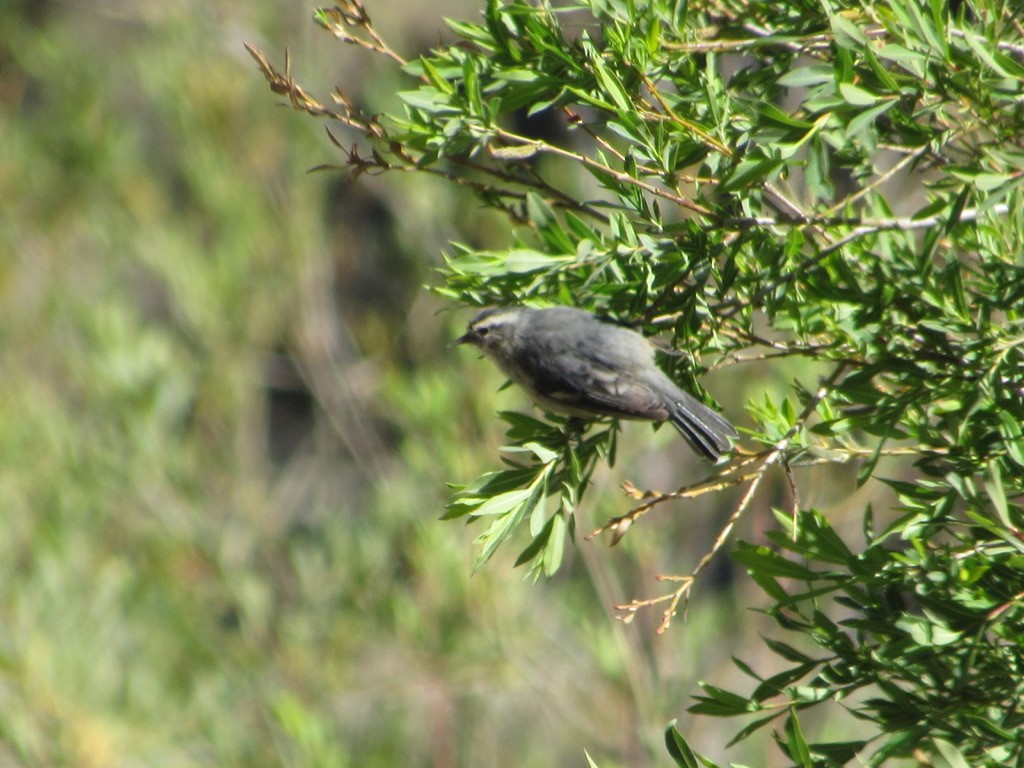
pixel 839 182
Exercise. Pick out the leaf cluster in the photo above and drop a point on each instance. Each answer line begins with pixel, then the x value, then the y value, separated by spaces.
pixel 543 459
pixel 833 181
pixel 924 644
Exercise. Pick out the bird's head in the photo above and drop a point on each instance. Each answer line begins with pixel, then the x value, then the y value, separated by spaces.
pixel 492 330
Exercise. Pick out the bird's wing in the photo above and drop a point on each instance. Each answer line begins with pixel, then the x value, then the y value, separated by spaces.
pixel 585 382
pixel 582 384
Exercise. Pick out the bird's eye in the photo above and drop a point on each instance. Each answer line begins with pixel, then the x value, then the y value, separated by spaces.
pixel 482 331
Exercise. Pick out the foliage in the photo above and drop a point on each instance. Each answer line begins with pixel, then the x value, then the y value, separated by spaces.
pixel 176 589
pixel 837 181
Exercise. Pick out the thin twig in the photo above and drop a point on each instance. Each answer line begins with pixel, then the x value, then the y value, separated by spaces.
pixel 903 161
pixel 620 176
pixel 869 227
pixel 621 524
pixel 794 494
pixel 352 13
pixel 686 582
pixel 705 138
pixel 770 458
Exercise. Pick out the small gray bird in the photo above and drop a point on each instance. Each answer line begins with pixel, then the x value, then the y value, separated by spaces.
pixel 574 363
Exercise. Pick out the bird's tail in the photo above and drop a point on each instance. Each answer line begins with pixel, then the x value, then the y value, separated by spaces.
pixel 708 432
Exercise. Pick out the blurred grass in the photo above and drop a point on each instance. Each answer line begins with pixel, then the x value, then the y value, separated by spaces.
pixel 227 418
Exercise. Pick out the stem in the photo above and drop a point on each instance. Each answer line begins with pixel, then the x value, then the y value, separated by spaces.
pixel 773 456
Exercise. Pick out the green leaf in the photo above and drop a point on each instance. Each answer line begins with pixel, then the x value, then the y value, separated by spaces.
pixel 777 683
pixel 926 632
pixel 435 77
pixel 804 76
pixel 522 426
pixel 989 55
pixel 846 33
pixel 502 503
pixel 857 96
pixel 898 742
pixel 539 541
pixel 538 211
pixel 867 469
pixel 764 561
pixel 751 727
pixel 429 100
pixel 544 454
pixel 773 114
pixel 786 651
pixel 751 171
pixel 996 493
pixel 799 752
pixel 678 749
pixel 986 182
pixel 816 538
pixel 946 755
pixel 868 117
pixel 610 84
pixel 836 752
pixel 1013 437
pixel 503 526
pixel 518 261
pixel 554 549
pixel 722 703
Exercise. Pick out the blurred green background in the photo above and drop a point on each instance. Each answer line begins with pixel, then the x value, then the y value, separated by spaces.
pixel 228 416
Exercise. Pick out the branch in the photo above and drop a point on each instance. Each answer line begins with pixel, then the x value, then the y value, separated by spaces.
pixel 768 458
pixel 621 524
pixel 869 227
pixel 587 162
pixel 352 13
pixel 896 168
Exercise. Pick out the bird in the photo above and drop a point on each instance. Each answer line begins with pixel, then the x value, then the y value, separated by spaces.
pixel 575 363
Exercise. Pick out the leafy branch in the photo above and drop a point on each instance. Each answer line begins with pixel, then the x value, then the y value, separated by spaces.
pixel 735 474
pixel 834 190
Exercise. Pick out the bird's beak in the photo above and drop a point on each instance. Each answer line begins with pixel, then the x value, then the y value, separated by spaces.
pixel 467 338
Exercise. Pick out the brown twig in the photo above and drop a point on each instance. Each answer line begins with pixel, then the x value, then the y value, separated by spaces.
pixel 794 495
pixel 703 136
pixel 352 14
pixel 588 162
pixel 618 526
pixel 687 582
pixel 881 179
pixel 768 458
